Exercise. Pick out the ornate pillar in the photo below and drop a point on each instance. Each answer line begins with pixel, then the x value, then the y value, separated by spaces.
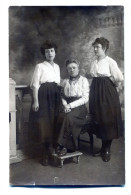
pixel 12 121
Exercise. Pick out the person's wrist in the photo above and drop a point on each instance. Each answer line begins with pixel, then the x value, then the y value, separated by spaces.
pixel 35 102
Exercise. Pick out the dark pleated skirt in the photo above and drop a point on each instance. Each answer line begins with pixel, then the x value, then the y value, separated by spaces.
pixel 105 108
pixel 69 126
pixel 43 122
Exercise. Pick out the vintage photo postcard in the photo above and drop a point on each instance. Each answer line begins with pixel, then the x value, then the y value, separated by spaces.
pixel 66 96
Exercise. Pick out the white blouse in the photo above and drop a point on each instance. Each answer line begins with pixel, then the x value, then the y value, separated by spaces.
pixel 106 67
pixel 78 88
pixel 45 72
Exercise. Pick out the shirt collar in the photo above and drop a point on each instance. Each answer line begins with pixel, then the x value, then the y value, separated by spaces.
pixel 47 63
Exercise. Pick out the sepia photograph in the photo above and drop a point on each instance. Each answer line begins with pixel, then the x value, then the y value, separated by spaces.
pixel 66 96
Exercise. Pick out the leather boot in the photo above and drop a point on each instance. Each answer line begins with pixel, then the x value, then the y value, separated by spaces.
pixel 101 151
pixel 45 156
pixel 106 156
pixel 106 153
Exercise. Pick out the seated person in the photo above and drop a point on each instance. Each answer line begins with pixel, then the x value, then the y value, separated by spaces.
pixel 73 114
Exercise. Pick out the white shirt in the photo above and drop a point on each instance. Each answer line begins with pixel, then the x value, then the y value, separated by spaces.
pixel 45 72
pixel 106 67
pixel 78 88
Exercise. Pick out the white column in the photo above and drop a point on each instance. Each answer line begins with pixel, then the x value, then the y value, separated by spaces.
pixel 12 125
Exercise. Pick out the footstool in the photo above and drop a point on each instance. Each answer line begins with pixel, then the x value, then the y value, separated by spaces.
pixel 76 154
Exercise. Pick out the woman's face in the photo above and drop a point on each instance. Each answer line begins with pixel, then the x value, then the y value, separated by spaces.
pixel 50 54
pixel 73 69
pixel 98 50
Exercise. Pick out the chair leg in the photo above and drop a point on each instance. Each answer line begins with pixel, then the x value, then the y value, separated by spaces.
pixel 91 143
pixel 79 142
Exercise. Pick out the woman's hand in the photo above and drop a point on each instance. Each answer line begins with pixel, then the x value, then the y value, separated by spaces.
pixel 67 108
pixel 115 82
pixel 35 106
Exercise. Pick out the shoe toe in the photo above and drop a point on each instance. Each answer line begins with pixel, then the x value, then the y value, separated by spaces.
pixel 62 152
pixel 106 157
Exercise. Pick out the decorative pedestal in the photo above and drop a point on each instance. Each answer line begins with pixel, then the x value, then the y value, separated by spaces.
pixel 18 129
pixel 76 154
pixel 12 121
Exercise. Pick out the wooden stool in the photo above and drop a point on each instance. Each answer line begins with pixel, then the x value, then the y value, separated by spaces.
pixel 76 154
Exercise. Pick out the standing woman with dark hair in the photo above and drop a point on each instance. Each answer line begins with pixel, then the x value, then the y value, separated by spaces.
pixel 104 102
pixel 46 99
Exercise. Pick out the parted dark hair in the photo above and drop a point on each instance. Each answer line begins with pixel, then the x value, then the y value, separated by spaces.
pixel 48 44
pixel 72 61
pixel 104 42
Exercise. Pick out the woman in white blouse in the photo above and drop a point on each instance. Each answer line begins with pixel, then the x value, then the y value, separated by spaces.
pixel 46 99
pixel 104 102
pixel 73 115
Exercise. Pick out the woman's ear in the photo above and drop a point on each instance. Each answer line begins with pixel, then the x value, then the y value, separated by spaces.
pixel 104 49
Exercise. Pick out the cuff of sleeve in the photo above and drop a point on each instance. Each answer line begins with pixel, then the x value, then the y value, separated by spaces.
pixel 71 105
pixel 64 102
pixel 34 87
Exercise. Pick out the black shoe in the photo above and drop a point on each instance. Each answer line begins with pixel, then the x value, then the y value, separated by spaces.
pixel 62 152
pixel 58 149
pixel 106 156
pixel 45 161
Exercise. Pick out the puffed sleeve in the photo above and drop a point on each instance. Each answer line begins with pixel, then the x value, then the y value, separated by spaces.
pixel 116 74
pixel 92 71
pixel 85 94
pixel 35 82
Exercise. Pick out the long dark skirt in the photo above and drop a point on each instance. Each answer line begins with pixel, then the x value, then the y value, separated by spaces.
pixel 43 122
pixel 69 126
pixel 105 108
